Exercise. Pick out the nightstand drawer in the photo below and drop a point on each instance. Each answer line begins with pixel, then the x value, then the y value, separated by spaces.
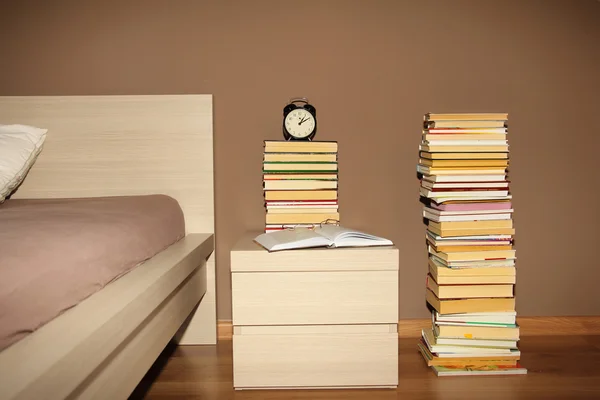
pixel 328 297
pixel 326 356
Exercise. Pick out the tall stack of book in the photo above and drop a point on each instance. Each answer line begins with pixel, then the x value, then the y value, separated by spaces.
pixel 463 166
pixel 300 183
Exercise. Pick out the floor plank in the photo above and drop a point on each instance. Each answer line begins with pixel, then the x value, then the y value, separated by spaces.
pixel 560 367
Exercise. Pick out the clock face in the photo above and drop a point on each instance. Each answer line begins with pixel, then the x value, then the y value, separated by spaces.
pixel 300 123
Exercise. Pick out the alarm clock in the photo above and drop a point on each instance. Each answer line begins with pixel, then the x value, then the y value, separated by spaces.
pixel 299 120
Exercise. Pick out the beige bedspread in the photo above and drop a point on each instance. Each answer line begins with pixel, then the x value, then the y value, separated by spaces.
pixel 56 252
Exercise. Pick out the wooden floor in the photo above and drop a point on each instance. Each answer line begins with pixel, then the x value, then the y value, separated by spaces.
pixel 560 367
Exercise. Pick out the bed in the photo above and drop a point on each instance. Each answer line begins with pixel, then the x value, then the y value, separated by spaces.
pixel 120 179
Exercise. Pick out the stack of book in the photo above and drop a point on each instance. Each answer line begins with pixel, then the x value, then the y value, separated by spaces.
pixel 300 183
pixel 463 166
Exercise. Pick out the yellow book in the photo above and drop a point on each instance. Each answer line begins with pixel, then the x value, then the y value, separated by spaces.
pixel 457 276
pixel 300 177
pixel 492 223
pixel 471 232
pixel 463 163
pixel 463 136
pixel 468 291
pixel 463 149
pixel 276 166
pixel 454 306
pixel 299 195
pixel 299 185
pixel 465 124
pixel 426 170
pixel 318 157
pixel 455 249
pixel 285 146
pixel 463 156
pixel 300 218
pixel 466 116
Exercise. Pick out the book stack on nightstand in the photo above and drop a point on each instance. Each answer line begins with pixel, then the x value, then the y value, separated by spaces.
pixel 300 182
pixel 463 164
pixel 314 318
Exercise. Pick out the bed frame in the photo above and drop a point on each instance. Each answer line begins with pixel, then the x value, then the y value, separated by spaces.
pixel 120 145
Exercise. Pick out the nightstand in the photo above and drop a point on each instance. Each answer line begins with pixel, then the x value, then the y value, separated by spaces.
pixel 314 318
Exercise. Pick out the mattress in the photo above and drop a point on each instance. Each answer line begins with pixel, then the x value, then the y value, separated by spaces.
pixel 54 253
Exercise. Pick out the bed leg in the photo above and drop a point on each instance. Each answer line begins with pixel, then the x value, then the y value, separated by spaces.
pixel 200 328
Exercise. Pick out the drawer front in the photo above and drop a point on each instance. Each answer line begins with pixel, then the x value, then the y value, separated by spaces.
pixel 255 259
pixel 315 360
pixel 289 298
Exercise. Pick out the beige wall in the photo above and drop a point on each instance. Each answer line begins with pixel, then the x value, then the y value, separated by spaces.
pixel 372 69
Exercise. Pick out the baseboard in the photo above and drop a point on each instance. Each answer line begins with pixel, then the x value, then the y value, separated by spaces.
pixel 530 326
pixel 224 329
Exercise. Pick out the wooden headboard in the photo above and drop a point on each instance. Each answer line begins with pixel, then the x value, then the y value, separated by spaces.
pixel 121 145
pixel 128 145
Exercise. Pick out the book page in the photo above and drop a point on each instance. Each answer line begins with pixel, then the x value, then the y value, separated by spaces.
pixel 291 239
pixel 345 237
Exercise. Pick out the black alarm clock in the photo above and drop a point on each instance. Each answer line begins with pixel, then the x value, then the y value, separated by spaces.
pixel 299 120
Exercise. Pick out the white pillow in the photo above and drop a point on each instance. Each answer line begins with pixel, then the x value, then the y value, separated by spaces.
pixel 20 146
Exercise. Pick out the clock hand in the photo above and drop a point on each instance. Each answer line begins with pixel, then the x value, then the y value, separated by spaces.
pixel 299 123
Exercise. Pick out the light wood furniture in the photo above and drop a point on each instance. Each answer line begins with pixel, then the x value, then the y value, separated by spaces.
pixel 314 318
pixel 120 145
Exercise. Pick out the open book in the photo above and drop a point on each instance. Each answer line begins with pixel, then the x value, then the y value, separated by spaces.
pixel 325 236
